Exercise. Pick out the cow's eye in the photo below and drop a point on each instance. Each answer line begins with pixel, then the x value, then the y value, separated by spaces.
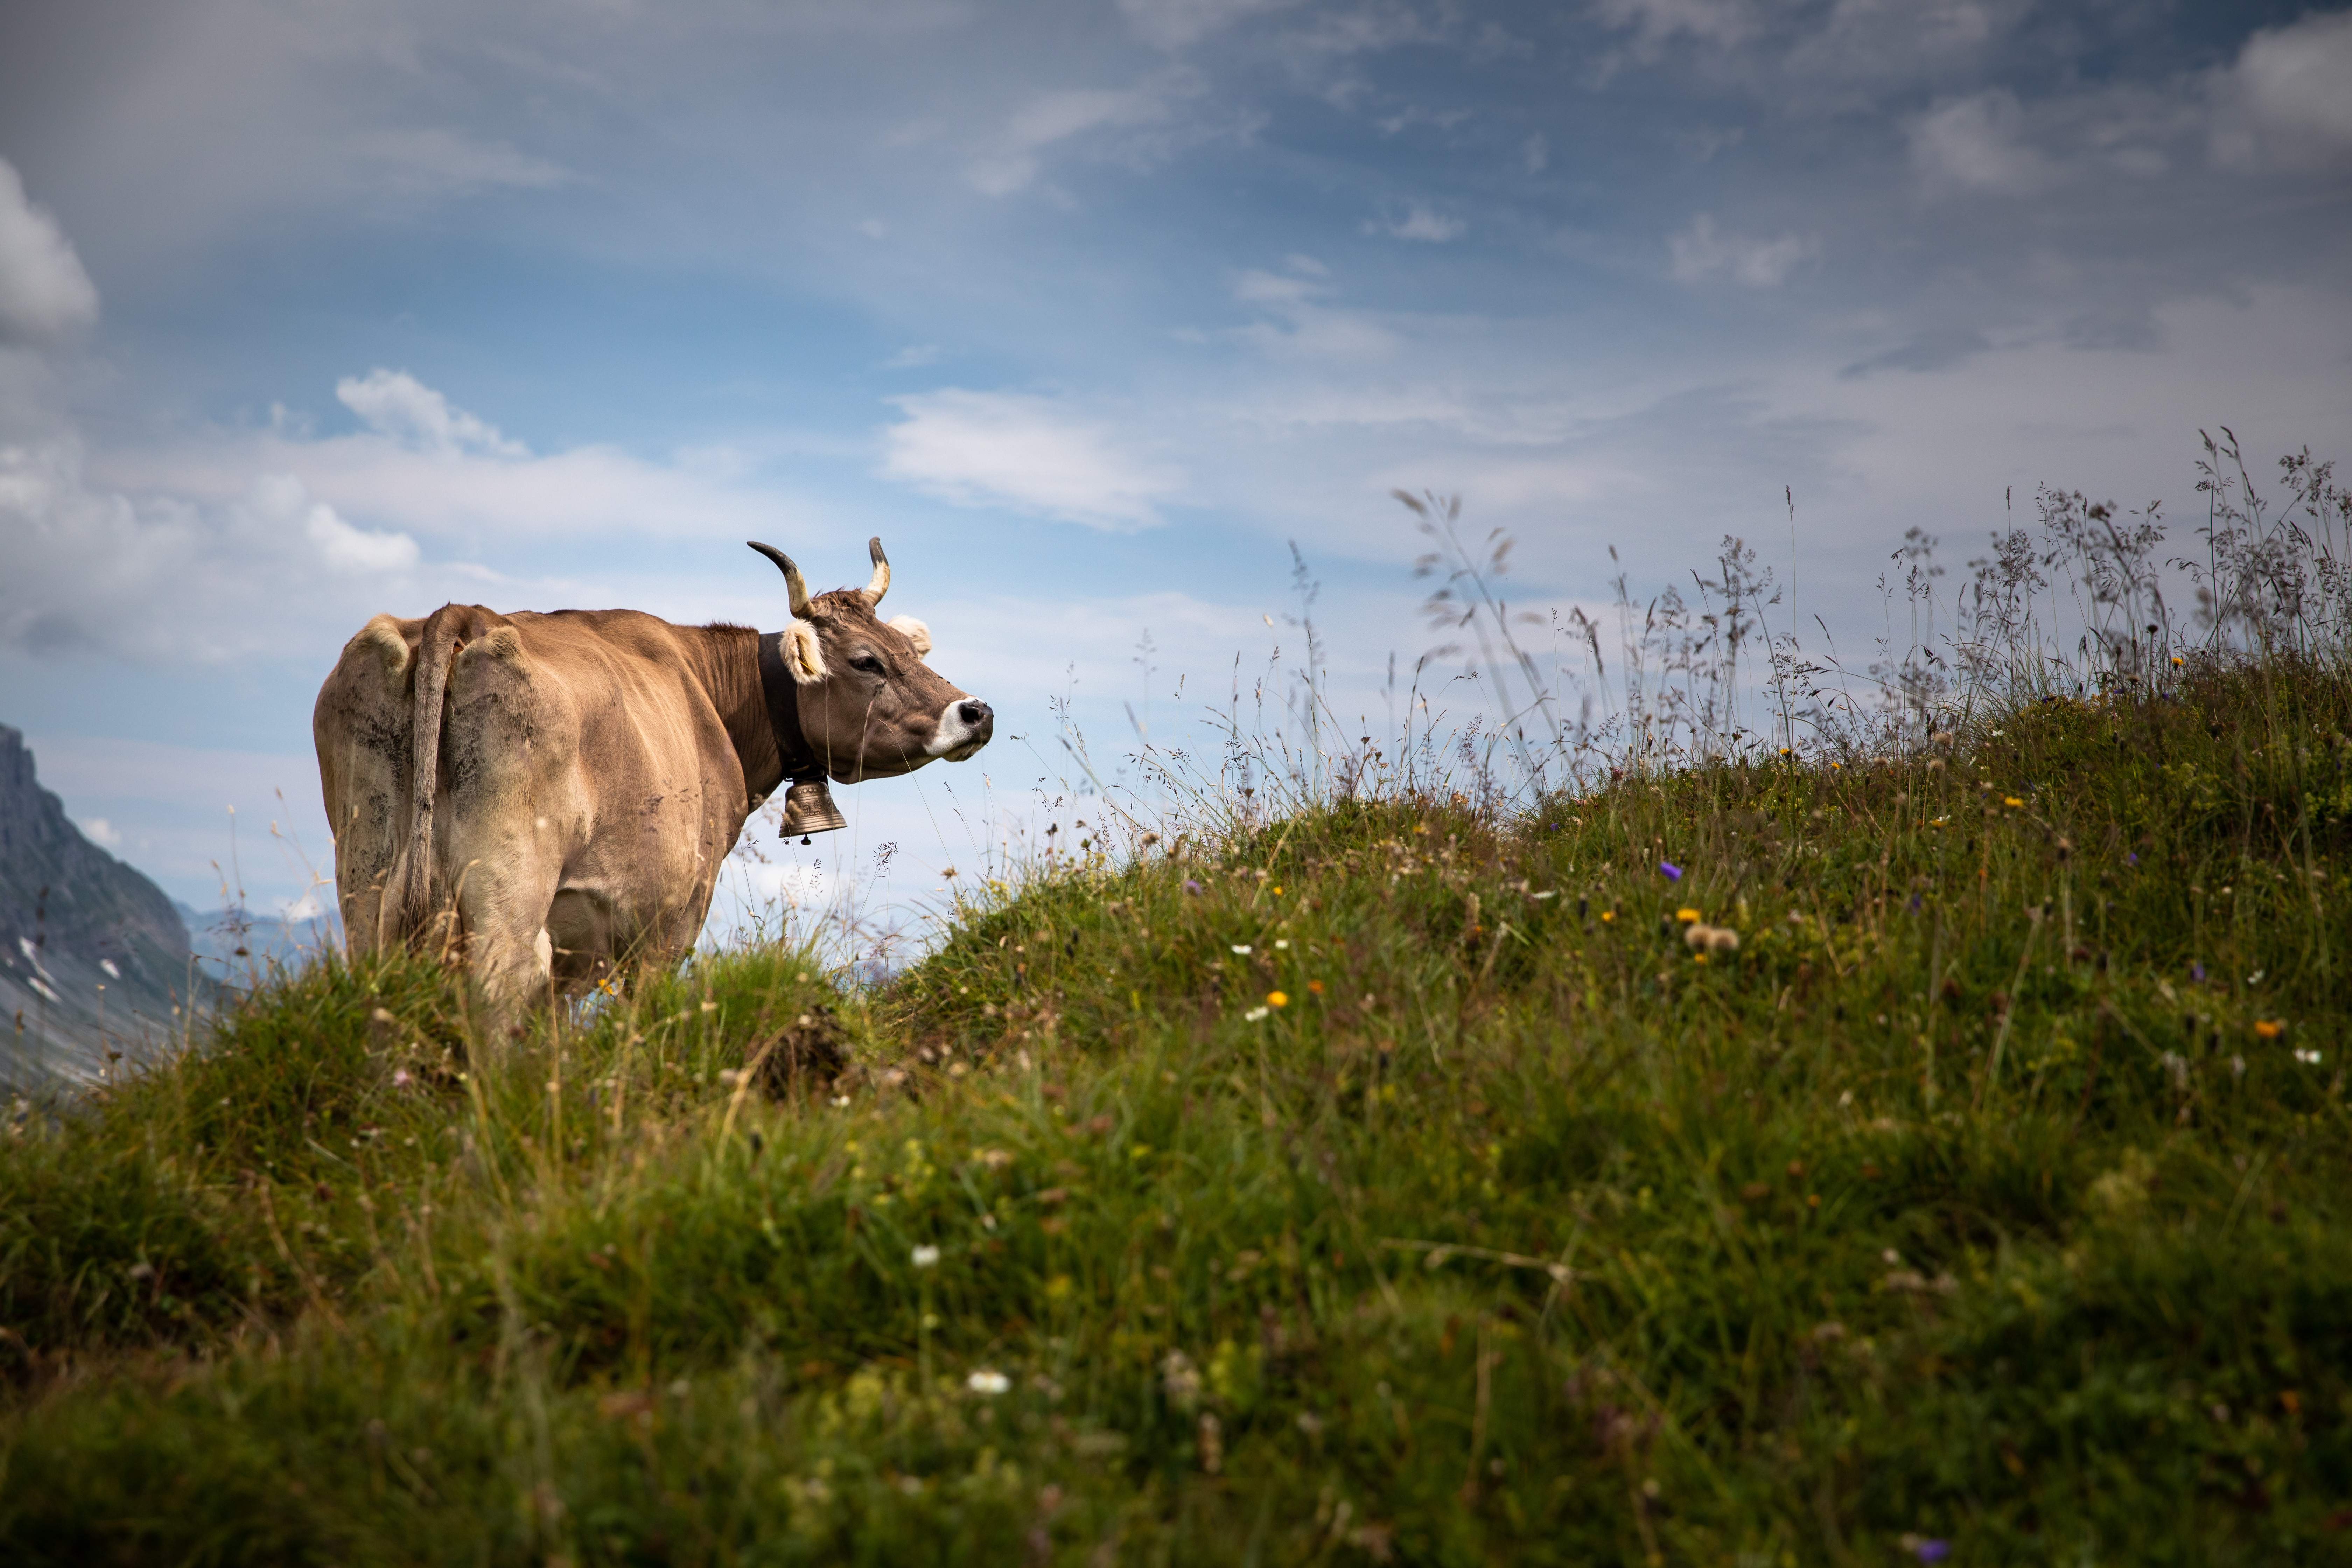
pixel 867 662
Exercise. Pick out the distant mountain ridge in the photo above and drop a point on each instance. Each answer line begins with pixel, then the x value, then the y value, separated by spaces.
pixel 230 938
pixel 93 956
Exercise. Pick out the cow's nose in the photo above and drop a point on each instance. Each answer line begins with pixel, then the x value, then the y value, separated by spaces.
pixel 975 712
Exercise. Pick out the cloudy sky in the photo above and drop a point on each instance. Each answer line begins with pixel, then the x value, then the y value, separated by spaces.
pixel 310 309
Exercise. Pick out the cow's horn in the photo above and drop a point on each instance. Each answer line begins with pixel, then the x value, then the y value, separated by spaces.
pixel 881 583
pixel 793 584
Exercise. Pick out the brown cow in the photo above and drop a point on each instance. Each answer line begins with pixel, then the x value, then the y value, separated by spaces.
pixel 552 795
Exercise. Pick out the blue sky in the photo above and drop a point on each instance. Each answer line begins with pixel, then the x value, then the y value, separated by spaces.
pixel 313 310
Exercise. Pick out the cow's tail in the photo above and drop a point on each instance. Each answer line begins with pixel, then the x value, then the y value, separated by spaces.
pixel 415 898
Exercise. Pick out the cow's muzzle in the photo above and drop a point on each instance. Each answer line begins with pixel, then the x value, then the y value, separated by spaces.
pixel 963 730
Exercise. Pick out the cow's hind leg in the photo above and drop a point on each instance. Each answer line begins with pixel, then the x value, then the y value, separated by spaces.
pixel 360 725
pixel 504 745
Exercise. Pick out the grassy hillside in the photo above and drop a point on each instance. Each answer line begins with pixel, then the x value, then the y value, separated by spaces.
pixel 1387 1182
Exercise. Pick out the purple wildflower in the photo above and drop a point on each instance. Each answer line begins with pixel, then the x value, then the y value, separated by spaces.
pixel 1190 885
pixel 1932 1550
pixel 2196 972
pixel 1915 902
pixel 1670 871
pixel 2132 858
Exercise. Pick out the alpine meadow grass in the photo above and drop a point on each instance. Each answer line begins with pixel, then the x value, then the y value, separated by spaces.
pixel 1925 1143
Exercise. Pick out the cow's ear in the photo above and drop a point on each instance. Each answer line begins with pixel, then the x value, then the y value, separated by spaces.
pixel 915 632
pixel 803 654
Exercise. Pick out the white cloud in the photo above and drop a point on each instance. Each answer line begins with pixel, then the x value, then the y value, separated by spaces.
pixel 1027 453
pixel 1137 128
pixel 1702 252
pixel 432 161
pixel 103 833
pixel 1978 146
pixel 489 496
pixel 1536 152
pixel 394 403
pixel 1423 223
pixel 1012 166
pixel 1172 24
pixel 164 578
pixel 1305 330
pixel 1273 289
pixel 1867 50
pixel 242 543
pixel 45 296
pixel 1415 114
pixel 280 499
pixel 1723 23
pixel 2288 97
pixel 1935 348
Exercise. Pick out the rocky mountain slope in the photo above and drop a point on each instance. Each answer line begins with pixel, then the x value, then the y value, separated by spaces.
pixel 93 956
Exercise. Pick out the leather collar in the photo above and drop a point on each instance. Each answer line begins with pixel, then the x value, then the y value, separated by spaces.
pixel 783 695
